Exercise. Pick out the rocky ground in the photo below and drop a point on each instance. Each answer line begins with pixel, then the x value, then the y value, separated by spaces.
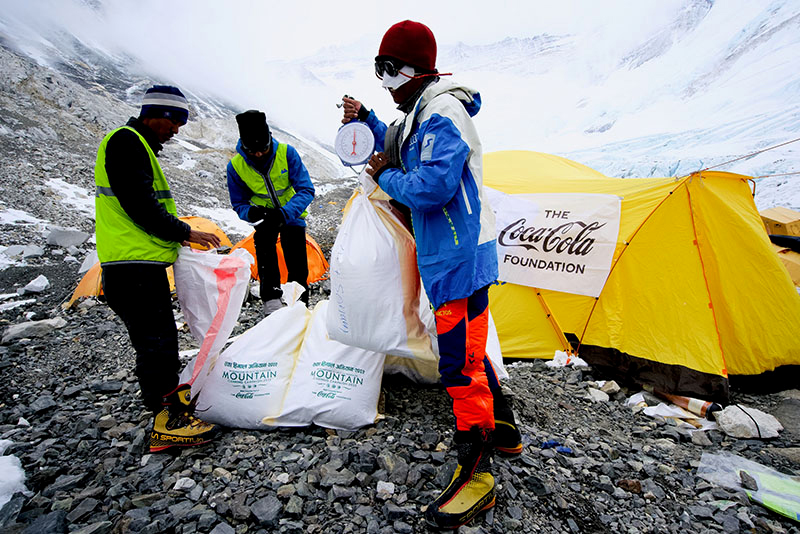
pixel 69 403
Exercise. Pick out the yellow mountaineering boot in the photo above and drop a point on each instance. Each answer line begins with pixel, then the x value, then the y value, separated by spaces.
pixel 472 488
pixel 176 426
pixel 506 437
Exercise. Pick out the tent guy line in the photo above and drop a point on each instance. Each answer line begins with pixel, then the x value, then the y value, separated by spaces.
pixel 748 155
pixel 774 175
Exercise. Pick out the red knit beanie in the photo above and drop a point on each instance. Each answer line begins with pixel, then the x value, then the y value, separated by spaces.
pixel 411 42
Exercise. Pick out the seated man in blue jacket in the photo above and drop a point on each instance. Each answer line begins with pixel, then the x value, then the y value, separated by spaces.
pixel 270 187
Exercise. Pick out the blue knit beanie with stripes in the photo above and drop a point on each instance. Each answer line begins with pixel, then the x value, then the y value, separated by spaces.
pixel 165 101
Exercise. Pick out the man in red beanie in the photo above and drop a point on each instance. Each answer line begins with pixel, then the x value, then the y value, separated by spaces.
pixel 432 163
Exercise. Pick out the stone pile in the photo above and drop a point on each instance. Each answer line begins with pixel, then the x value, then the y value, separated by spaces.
pixel 71 409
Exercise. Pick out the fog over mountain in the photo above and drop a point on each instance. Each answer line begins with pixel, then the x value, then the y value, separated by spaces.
pixel 628 90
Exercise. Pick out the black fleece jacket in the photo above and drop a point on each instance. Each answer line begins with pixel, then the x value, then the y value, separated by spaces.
pixel 131 178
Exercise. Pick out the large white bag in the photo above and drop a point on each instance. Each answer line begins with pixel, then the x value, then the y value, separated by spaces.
pixel 249 380
pixel 426 370
pixel 375 283
pixel 211 289
pixel 333 385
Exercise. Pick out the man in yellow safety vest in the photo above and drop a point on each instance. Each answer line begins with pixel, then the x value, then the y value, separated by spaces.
pixel 270 187
pixel 138 237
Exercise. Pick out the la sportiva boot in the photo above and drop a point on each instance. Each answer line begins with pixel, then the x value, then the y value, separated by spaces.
pixel 472 488
pixel 507 438
pixel 176 426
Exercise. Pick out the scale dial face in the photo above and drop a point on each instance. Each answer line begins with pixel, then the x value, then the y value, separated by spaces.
pixel 354 143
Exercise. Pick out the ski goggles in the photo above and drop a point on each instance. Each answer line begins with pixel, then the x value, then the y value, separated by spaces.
pixel 387 67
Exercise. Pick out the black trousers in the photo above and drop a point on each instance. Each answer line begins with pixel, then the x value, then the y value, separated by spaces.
pixel 293 242
pixel 139 294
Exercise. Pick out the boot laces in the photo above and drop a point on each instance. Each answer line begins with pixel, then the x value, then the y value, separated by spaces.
pixel 185 418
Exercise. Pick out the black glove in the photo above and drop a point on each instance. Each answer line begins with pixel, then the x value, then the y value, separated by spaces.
pixel 256 213
pixel 274 217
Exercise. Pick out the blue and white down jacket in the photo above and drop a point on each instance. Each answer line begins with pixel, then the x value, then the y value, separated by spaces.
pixel 441 181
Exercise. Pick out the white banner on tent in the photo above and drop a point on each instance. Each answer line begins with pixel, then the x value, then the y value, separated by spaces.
pixel 559 241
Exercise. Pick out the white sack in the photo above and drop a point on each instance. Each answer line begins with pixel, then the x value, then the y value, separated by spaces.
pixel 333 385
pixel 249 380
pixel 211 289
pixel 425 370
pixel 375 284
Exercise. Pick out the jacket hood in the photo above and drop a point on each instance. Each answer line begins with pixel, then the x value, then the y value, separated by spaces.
pixel 470 98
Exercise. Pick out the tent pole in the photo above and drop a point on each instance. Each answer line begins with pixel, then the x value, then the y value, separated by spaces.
pixel 550 317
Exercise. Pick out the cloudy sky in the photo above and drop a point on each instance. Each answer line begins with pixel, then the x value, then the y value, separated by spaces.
pixel 248 31
pixel 244 49
pixel 725 85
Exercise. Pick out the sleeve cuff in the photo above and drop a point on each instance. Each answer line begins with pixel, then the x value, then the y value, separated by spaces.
pixel 379 172
pixel 188 231
pixel 363 113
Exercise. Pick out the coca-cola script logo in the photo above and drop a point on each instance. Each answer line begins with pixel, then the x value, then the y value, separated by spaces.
pixel 552 239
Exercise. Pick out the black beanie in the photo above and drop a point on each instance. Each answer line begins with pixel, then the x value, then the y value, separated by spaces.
pixel 254 131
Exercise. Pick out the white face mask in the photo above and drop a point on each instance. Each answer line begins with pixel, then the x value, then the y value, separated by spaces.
pixel 393 82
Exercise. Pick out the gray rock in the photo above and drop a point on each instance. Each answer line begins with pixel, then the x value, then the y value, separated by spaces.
pixel 788 413
pixel 66 237
pixel 37 285
pixel 701 439
pixel 63 483
pixel 51 523
pixel 223 528
pixel 100 527
pixel 267 510
pixel 10 510
pixel 84 508
pixel 32 329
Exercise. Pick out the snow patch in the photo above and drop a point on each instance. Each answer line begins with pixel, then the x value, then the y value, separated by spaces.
pixel 188 163
pixel 14 216
pixel 186 144
pixel 12 476
pixel 73 196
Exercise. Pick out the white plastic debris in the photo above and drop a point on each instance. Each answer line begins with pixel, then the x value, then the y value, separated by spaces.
pixel 636 399
pixel 562 359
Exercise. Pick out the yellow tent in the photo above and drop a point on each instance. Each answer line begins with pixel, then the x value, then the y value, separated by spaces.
pixel 694 294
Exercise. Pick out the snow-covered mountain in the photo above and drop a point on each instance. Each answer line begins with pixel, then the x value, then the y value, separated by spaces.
pixel 716 82
pixel 712 82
